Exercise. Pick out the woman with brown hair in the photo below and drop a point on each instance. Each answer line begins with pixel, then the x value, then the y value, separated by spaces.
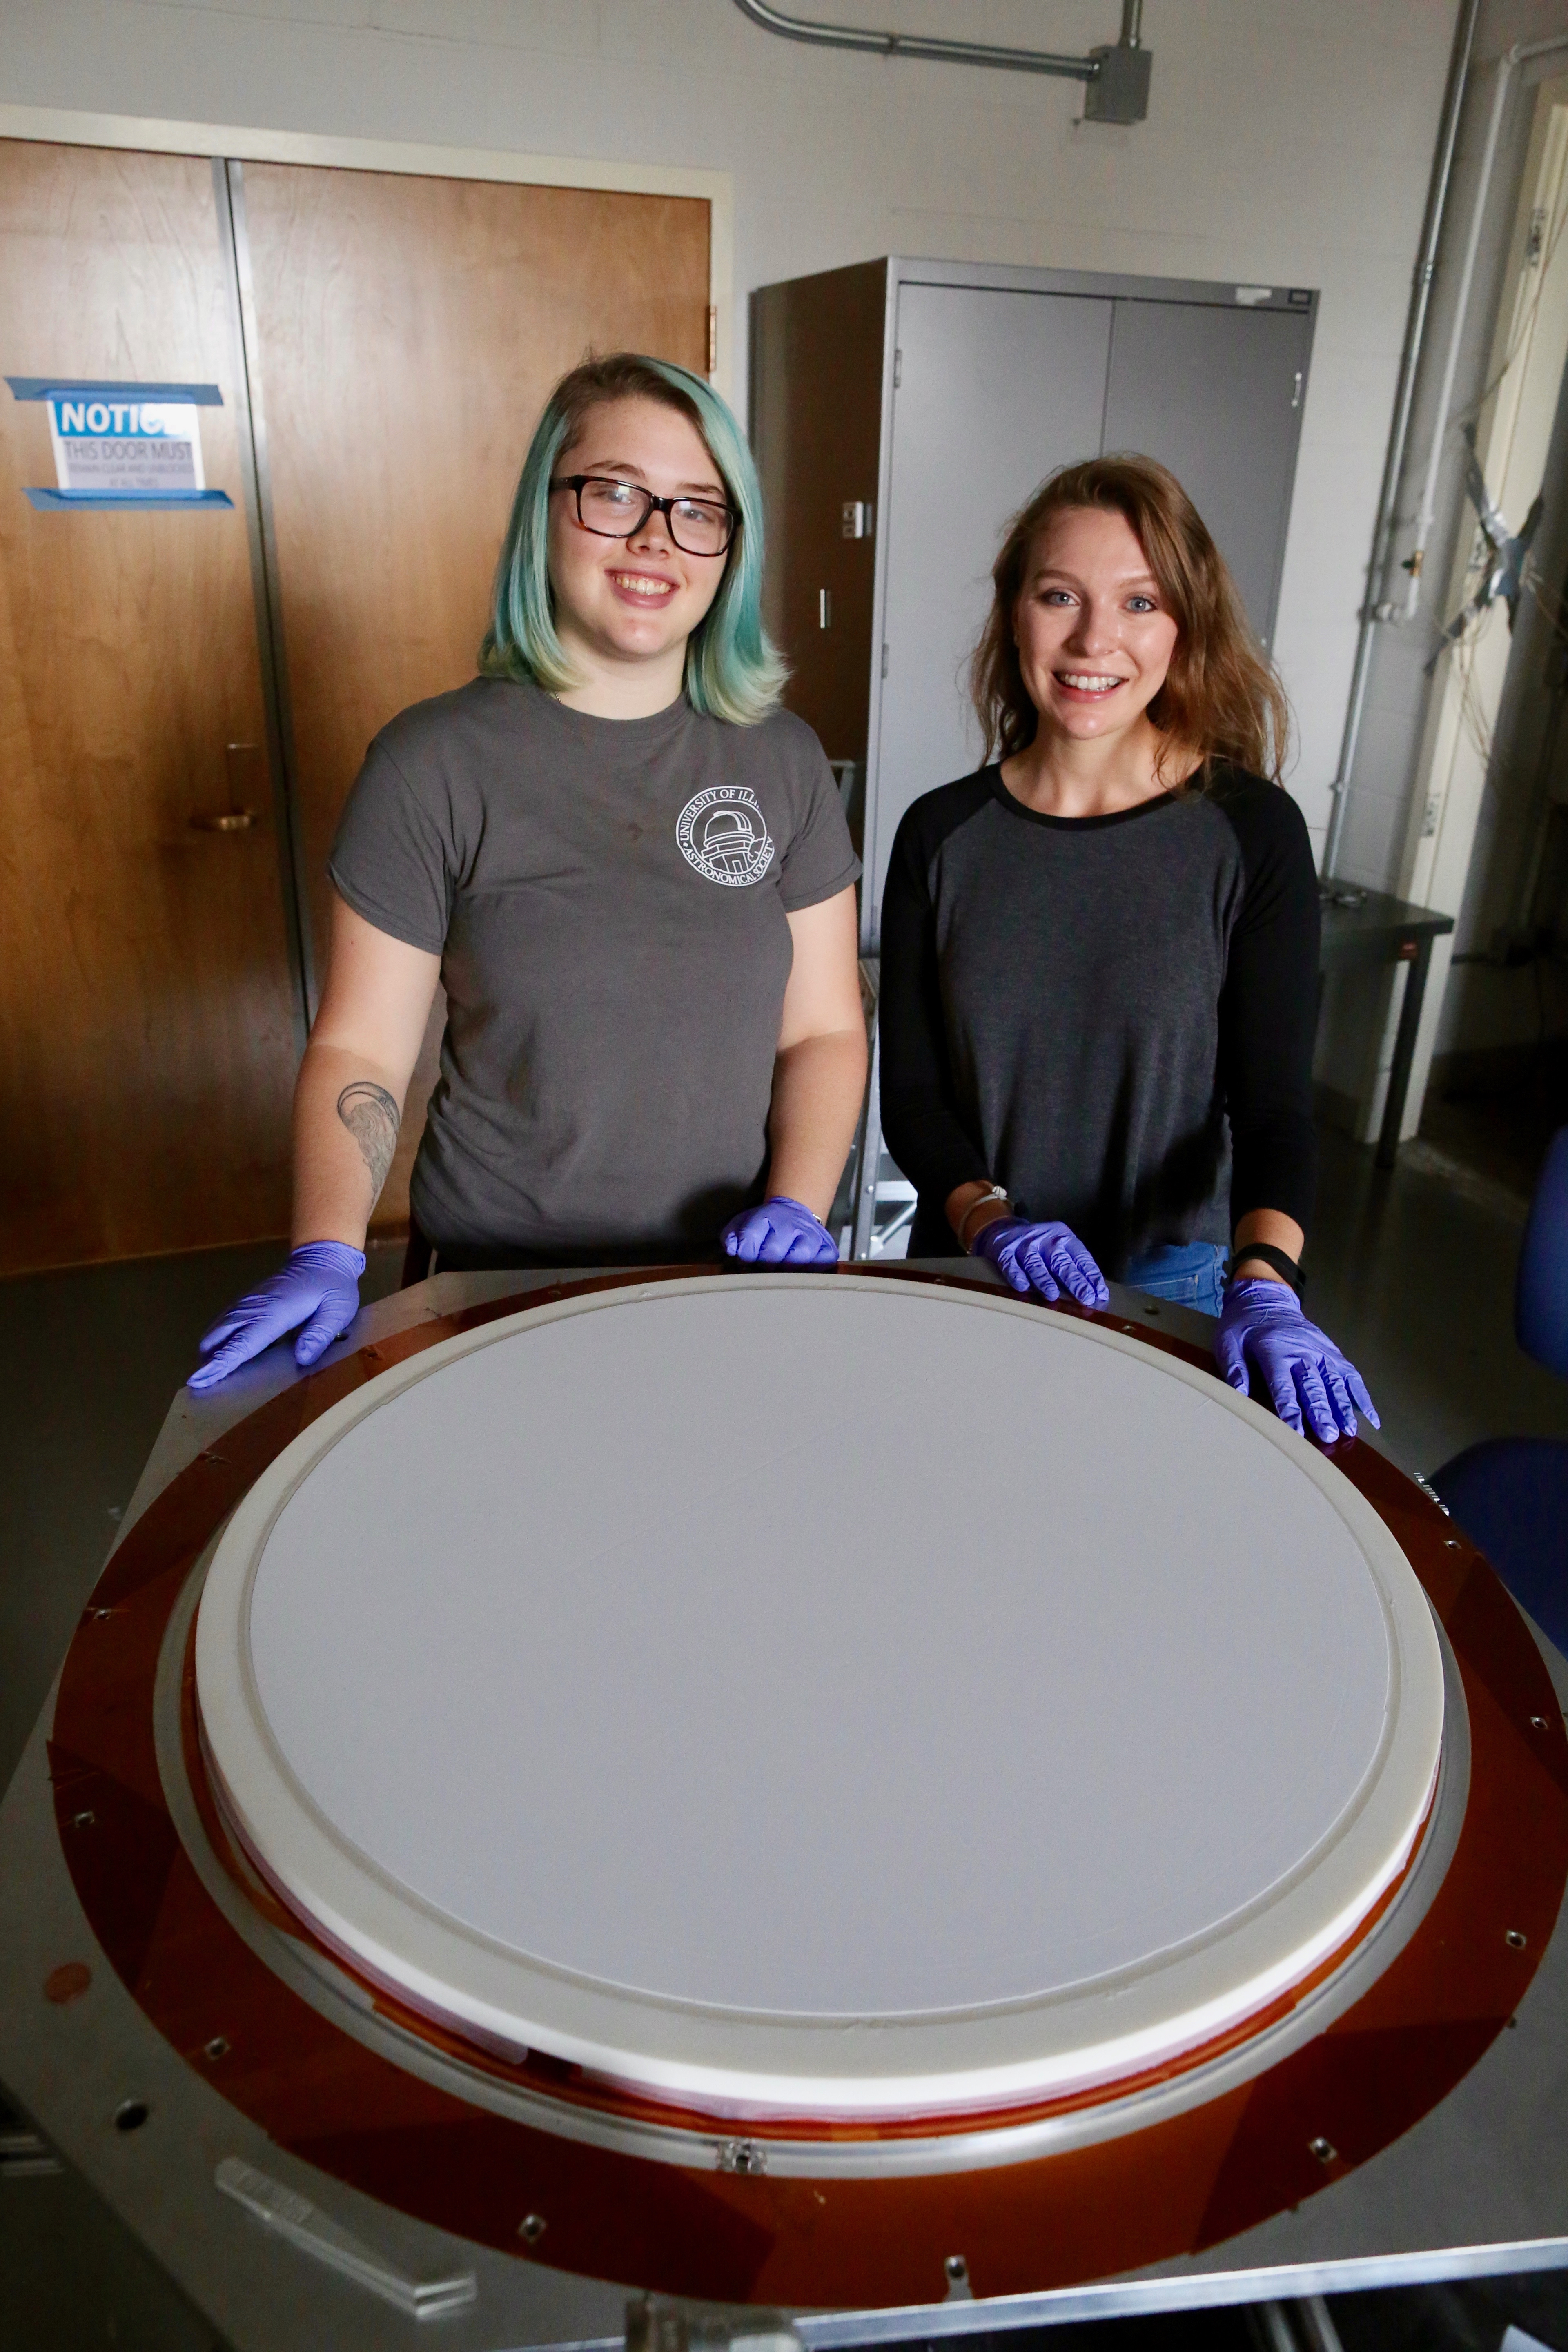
pixel 1100 952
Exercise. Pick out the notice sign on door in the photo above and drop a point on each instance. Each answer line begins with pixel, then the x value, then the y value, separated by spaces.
pixel 123 444
pixel 126 445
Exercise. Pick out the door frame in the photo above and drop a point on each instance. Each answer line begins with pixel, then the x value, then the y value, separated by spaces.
pixel 1526 357
pixel 68 127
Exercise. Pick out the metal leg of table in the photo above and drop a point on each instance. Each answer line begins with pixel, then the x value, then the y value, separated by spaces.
pixel 870 1160
pixel 1403 1053
pixel 1315 2322
pixel 1303 2324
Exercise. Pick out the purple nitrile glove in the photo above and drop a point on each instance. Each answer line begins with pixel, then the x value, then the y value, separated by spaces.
pixel 1261 1323
pixel 781 1232
pixel 1048 1258
pixel 317 1287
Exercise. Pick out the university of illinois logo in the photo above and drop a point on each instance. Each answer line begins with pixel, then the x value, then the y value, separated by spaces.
pixel 723 833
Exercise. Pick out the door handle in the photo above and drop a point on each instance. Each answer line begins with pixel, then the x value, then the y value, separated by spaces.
pixel 226 821
pixel 238 759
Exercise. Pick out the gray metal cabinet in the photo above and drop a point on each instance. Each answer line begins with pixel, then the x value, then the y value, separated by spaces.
pixel 1216 395
pixel 903 410
pixel 963 442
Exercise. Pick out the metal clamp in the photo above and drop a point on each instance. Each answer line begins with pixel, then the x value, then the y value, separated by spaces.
pixel 293 2217
pixel 656 2323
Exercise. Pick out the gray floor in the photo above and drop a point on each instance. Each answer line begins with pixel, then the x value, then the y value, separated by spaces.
pixel 1412 1273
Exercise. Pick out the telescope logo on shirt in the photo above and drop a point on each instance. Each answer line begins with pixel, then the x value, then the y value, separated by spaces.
pixel 723 833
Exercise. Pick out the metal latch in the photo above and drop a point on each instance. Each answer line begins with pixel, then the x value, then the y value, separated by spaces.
pixel 25 2154
pixel 656 2323
pixel 293 2217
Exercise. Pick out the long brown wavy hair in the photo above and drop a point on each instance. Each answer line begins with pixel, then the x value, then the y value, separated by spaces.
pixel 1222 698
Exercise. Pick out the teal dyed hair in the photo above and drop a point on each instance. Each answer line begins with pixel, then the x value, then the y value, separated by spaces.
pixel 733 671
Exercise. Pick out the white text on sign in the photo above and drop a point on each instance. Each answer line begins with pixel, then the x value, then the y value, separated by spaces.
pixel 153 447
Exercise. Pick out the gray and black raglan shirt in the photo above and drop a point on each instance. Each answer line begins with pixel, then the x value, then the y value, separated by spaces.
pixel 1111 1016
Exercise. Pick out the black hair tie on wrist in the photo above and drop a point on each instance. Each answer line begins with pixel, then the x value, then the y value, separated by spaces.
pixel 1283 1265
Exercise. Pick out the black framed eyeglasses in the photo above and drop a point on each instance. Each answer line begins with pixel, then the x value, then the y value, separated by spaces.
pixel 617 509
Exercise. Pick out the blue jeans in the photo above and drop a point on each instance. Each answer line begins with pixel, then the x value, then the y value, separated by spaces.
pixel 1189 1274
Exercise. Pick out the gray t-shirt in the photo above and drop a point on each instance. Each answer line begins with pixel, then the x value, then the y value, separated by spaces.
pixel 608 899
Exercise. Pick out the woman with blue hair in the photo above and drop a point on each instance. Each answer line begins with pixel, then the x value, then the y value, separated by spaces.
pixel 629 868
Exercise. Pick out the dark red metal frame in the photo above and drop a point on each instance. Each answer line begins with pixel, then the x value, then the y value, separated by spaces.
pixel 1177 2187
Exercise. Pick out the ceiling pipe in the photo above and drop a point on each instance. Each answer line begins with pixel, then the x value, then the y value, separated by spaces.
pixel 1119 75
pixel 1393 463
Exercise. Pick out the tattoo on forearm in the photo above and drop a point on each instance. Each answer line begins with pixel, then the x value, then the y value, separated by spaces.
pixel 372 1119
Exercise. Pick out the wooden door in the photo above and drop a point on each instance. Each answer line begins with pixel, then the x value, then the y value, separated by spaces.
pixel 405 333
pixel 147 1038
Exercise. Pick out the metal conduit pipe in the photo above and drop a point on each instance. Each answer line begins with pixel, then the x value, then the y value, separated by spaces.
pixel 1128 57
pixel 1428 505
pixel 1520 54
pixel 1373 611
pixel 1393 465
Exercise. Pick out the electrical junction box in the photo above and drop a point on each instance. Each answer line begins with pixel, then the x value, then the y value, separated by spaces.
pixel 1119 90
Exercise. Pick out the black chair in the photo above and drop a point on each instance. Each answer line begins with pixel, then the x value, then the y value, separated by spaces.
pixel 1510 1494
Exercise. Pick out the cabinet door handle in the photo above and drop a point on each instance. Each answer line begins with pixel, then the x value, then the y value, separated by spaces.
pixel 226 821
